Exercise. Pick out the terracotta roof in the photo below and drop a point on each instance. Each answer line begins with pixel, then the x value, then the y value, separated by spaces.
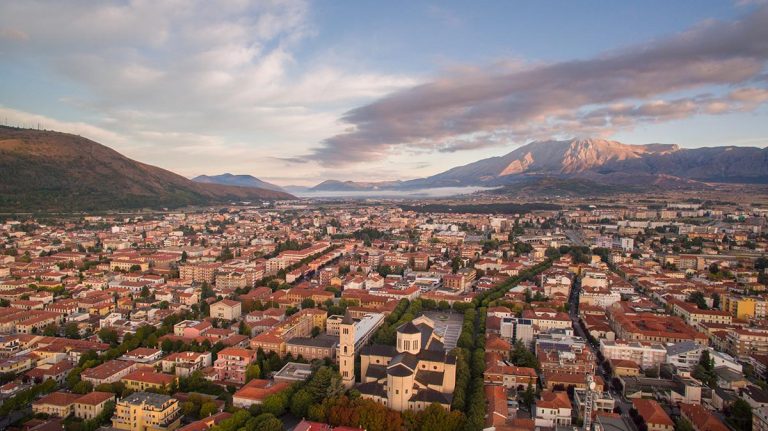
pixel 554 400
pixel 58 399
pixel 150 377
pixel 701 418
pixel 95 398
pixel 259 389
pixel 652 412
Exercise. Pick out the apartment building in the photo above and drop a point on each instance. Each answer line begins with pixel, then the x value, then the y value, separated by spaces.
pixel 199 272
pixel 185 363
pixel 644 354
pixel 232 364
pixel 145 411
pixel 693 315
pixel 742 342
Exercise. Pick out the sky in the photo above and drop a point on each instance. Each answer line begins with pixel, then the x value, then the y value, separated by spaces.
pixel 298 92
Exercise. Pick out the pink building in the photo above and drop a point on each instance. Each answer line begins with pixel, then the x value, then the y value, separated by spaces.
pixel 232 364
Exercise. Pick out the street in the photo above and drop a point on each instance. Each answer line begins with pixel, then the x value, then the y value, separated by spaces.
pixel 573 311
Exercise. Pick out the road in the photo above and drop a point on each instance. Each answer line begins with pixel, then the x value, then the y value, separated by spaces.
pixel 573 307
pixel 575 238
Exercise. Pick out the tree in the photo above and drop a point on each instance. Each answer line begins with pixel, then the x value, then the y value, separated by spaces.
pixel 50 331
pixel 71 330
pixel 308 303
pixel 740 415
pixel 208 408
pixel 716 300
pixel 108 335
pixel 275 404
pixel 135 268
pixel 300 402
pixel 82 387
pixel 682 424
pixel 529 396
pixel 252 372
pixel 436 418
pixel 243 329
pixel 190 409
pixel 315 331
pixel 270 424
pixel 698 299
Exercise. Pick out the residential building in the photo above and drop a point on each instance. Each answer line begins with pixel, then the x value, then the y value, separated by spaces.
pixel 145 411
pixel 232 364
pixel 226 309
pixel 654 416
pixel 553 410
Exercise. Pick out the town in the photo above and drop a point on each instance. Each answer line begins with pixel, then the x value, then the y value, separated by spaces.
pixel 346 315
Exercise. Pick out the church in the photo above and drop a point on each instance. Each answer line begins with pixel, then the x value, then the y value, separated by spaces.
pixel 411 375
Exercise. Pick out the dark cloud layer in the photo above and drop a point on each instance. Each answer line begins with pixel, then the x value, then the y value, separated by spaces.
pixel 613 91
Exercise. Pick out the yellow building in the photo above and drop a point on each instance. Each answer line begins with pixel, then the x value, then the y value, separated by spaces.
pixel 58 404
pixel 92 404
pixel 743 307
pixel 142 380
pixel 144 411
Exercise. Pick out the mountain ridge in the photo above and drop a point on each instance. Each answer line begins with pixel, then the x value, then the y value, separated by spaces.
pixel 239 180
pixel 44 170
pixel 600 161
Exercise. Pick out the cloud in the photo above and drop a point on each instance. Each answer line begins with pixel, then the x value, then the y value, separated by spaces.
pixel 188 79
pixel 613 91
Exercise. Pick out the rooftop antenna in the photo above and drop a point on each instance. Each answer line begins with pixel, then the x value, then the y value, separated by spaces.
pixel 589 399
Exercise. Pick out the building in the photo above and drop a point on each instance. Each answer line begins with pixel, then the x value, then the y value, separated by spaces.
pixel 92 404
pixel 760 419
pixel 547 319
pixel 141 380
pixel 293 372
pixel 185 363
pixel 692 314
pixel 319 347
pixel 702 419
pixel 646 355
pixel 226 309
pixel 514 329
pixel 683 355
pixel 232 363
pixel 553 410
pixel 742 342
pixel 255 391
pixel 60 404
pixel 745 307
pixel 145 411
pixel 655 418
pixel 201 272
pixel 108 372
pixel 409 376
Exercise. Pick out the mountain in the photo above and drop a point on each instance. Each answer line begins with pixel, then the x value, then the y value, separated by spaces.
pixel 560 158
pixel 45 170
pixel 345 186
pixel 598 161
pixel 237 180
